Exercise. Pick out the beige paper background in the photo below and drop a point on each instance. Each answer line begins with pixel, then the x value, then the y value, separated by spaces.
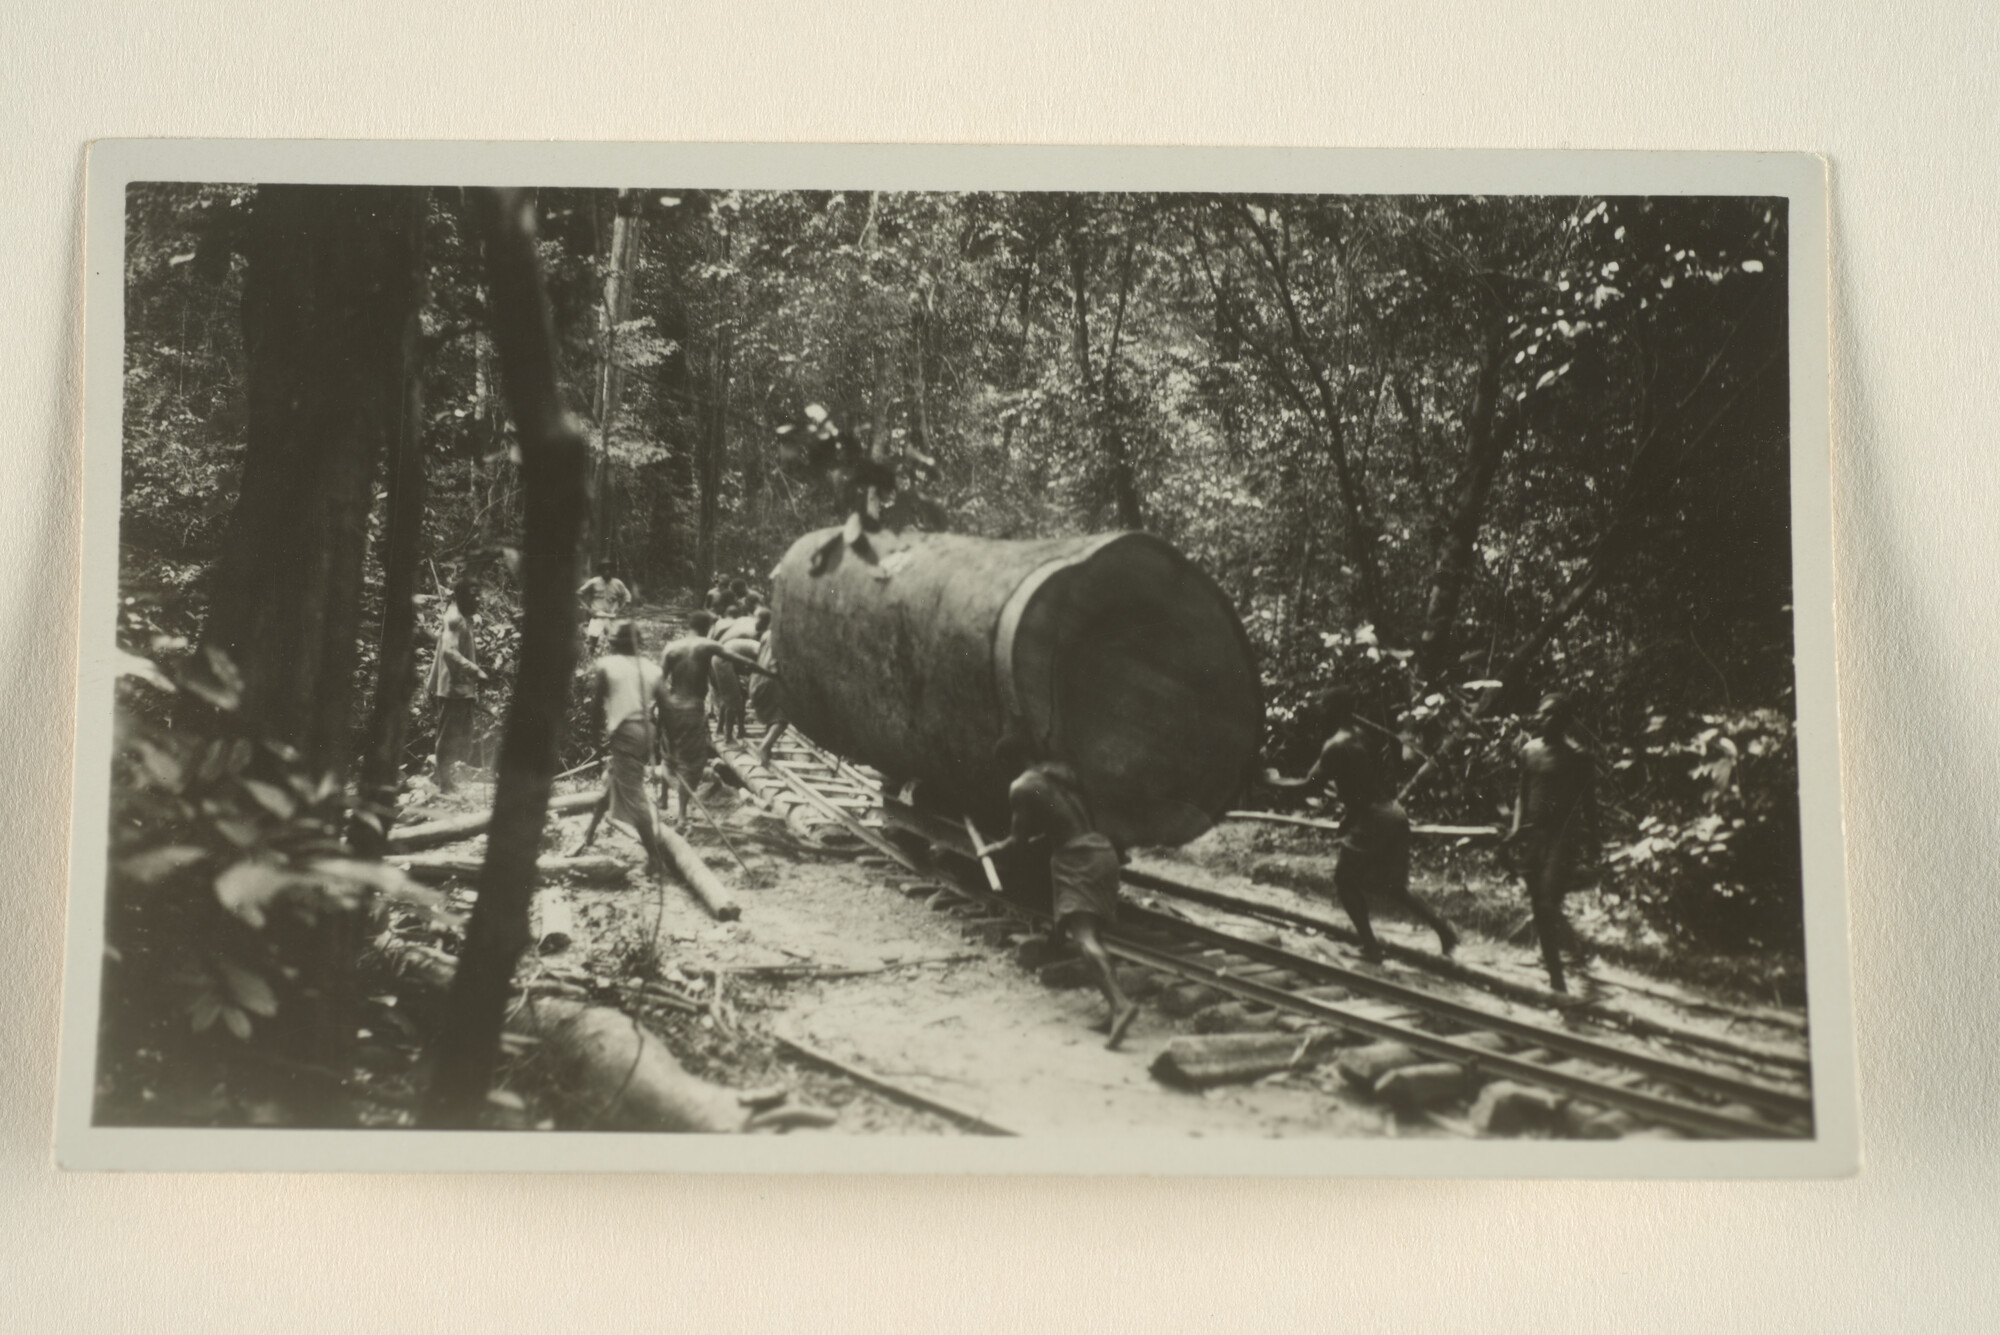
pixel 1904 104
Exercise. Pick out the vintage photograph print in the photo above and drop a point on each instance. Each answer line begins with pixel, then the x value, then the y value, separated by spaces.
pixel 924 659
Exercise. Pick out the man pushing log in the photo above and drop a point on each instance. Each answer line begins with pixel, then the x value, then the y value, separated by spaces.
pixel 684 706
pixel 1050 809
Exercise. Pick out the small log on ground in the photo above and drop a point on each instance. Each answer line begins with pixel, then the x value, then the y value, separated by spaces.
pixel 439 833
pixel 552 924
pixel 1233 1017
pixel 431 868
pixel 1365 1066
pixel 707 886
pixel 1428 1085
pixel 1226 1058
pixel 1505 1108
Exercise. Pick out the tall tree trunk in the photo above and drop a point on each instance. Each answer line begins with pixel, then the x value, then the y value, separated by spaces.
pixel 626 230
pixel 1097 393
pixel 714 438
pixel 330 303
pixel 382 754
pixel 555 460
pixel 1363 529
pixel 329 298
pixel 1486 439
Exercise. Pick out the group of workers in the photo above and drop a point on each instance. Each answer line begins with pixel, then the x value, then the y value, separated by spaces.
pixel 1552 829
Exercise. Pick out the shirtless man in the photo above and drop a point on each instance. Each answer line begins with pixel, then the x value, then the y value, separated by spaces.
pixel 1374 859
pixel 767 700
pixel 739 638
pixel 605 599
pixel 684 709
pixel 1554 825
pixel 628 688
pixel 1050 810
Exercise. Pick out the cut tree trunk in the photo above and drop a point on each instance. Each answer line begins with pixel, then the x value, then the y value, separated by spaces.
pixel 555 484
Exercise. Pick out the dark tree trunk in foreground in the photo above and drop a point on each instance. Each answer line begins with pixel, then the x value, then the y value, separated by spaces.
pixel 382 754
pixel 554 475
pixel 330 304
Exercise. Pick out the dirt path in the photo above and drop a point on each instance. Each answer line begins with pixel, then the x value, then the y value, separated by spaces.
pixel 931 1000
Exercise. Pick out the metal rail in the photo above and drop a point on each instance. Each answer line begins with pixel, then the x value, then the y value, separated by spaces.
pixel 1795 1109
pixel 1637 1025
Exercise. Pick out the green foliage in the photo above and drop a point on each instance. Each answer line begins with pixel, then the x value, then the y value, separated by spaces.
pixel 1715 858
pixel 222 844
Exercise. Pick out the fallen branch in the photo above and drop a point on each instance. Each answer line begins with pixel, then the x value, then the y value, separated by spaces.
pixel 431 868
pixel 815 972
pixel 438 833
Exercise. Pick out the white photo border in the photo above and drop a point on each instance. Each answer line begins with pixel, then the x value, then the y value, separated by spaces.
pixel 1799 178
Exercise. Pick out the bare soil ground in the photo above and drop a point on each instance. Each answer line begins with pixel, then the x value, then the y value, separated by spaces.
pixel 831 952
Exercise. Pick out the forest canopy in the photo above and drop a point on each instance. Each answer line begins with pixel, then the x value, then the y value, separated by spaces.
pixel 1452 451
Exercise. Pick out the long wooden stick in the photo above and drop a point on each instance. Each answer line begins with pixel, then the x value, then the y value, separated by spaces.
pixel 979 847
pixel 894 1090
pixel 1306 822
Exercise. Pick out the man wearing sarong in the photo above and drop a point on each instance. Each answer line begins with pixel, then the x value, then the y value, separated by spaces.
pixel 1373 865
pixel 1051 812
pixel 628 688
pixel 1554 829
pixel 605 599
pixel 454 683
pixel 684 708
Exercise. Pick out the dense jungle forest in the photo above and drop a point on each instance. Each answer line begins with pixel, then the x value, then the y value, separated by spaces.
pixel 1451 451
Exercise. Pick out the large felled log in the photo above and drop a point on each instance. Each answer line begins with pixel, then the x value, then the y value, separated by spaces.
pixel 617 1073
pixel 707 886
pixel 1113 653
pixel 436 834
